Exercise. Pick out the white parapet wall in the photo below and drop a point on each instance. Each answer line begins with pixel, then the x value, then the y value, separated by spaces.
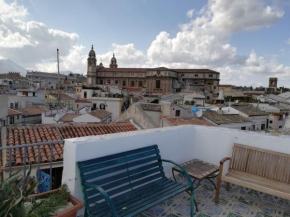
pixel 179 144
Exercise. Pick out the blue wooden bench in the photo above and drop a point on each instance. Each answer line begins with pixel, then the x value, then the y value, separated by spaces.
pixel 128 183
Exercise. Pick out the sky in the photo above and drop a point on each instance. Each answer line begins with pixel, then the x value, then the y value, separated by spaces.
pixel 247 41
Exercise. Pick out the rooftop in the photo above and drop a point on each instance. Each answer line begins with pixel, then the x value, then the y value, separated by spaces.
pixel 101 114
pixel 185 121
pixel 150 107
pixel 250 110
pixel 19 135
pixel 31 111
pixel 68 117
pixel 13 112
pixel 62 96
pixel 224 119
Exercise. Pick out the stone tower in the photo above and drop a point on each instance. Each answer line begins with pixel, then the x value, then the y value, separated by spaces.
pixel 113 62
pixel 92 67
pixel 273 82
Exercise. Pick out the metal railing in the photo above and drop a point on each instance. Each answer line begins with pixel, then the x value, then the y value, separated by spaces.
pixel 10 149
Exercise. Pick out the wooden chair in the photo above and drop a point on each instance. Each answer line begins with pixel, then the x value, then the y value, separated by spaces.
pixel 258 169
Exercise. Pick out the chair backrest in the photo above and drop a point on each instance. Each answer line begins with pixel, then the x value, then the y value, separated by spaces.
pixel 120 173
pixel 261 162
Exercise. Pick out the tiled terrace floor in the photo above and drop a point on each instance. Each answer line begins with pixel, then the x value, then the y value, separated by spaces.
pixel 238 202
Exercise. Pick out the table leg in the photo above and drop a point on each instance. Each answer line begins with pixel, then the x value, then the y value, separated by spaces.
pixel 209 179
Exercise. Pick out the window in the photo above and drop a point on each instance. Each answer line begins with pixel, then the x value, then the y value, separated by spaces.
pixel 85 94
pixel 33 93
pixel 124 83
pixel 102 106
pixel 196 75
pixel 11 105
pixel 132 83
pixel 195 82
pixel 17 117
pixel 108 81
pixel 51 87
pixel 11 120
pixel 101 81
pixel 207 98
pixel 94 106
pixel 254 127
pixel 16 105
pixel 158 84
pixel 243 128
pixel 210 76
pixel 271 122
pixel 177 113
pixel 263 127
pixel 25 93
pixel 214 87
pixel 77 106
pixel 140 83
pixel 280 126
pixel 116 81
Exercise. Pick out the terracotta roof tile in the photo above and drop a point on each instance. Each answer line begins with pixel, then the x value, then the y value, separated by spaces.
pixel 185 121
pixel 224 119
pixel 69 117
pixel 13 112
pixel 82 101
pixel 150 106
pixel 101 114
pixel 31 111
pixel 19 135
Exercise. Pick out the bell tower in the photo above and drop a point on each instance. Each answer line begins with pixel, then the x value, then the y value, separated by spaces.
pixel 92 67
pixel 113 62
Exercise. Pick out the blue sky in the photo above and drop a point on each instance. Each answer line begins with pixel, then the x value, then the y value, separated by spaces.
pixel 245 40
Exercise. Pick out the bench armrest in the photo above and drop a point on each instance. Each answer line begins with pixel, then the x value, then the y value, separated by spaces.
pixel 224 160
pixel 182 169
pixel 105 196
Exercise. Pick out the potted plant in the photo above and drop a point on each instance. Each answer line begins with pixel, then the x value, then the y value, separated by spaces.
pixel 17 199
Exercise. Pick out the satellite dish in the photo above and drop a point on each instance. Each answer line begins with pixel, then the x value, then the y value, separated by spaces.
pixel 199 113
pixel 237 101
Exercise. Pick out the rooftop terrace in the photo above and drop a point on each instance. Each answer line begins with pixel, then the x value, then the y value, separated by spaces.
pixel 181 144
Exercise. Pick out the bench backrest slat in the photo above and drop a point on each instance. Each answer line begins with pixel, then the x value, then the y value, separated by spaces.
pixel 120 173
pixel 261 162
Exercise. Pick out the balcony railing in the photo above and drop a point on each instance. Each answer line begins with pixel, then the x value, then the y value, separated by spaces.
pixel 31 154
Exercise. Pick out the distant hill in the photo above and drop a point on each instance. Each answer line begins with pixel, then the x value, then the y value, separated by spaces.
pixel 7 65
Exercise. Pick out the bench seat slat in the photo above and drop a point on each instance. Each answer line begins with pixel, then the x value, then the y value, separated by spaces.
pixel 258 183
pixel 135 195
pixel 144 201
pixel 126 187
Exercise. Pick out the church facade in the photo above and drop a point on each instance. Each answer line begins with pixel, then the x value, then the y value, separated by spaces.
pixel 153 80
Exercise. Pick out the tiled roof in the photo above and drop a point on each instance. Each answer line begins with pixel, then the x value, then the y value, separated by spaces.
pixel 13 112
pixel 19 135
pixel 31 111
pixel 82 101
pixel 185 121
pixel 150 107
pixel 224 119
pixel 250 110
pixel 122 70
pixel 62 96
pixel 195 70
pixel 69 117
pixel 101 114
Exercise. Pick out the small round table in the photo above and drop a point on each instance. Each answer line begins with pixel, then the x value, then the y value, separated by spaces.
pixel 198 170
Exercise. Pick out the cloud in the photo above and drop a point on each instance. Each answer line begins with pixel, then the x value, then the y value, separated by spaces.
pixel 33 44
pixel 190 13
pixel 288 41
pixel 127 56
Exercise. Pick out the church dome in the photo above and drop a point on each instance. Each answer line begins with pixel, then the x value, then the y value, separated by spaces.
pixel 113 62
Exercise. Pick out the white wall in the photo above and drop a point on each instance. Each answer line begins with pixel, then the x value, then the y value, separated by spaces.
pixel 3 109
pixel 86 118
pixel 179 144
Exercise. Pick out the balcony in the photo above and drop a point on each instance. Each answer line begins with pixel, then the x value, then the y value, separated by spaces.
pixel 181 144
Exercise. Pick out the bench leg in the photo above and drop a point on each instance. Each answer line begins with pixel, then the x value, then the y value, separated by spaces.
pixel 192 203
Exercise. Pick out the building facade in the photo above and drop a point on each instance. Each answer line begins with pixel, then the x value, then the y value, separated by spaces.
pixel 153 80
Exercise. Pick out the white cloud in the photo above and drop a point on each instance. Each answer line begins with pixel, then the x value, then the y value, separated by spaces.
pixel 127 56
pixel 33 44
pixel 288 41
pixel 190 13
